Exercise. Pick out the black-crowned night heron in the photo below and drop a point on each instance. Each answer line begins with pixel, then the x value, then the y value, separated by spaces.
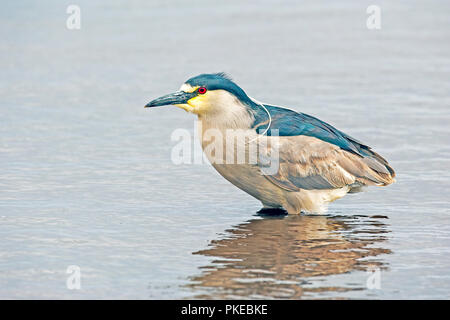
pixel 315 162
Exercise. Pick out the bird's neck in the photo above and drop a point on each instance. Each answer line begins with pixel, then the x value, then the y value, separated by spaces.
pixel 231 117
pixel 215 128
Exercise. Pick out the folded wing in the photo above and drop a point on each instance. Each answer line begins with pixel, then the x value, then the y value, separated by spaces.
pixel 315 155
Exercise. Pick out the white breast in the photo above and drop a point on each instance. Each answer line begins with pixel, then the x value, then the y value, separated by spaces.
pixel 232 152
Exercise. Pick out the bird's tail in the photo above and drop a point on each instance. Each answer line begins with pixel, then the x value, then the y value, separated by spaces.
pixel 381 173
pixel 383 162
pixel 371 169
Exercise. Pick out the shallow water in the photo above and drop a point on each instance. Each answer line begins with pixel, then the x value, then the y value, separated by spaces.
pixel 86 177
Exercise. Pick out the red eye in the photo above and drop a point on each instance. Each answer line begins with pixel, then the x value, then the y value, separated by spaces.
pixel 202 90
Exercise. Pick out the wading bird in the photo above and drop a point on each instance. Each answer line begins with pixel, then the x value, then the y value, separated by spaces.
pixel 316 163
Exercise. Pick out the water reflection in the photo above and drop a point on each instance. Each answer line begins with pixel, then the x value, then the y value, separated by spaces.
pixel 278 257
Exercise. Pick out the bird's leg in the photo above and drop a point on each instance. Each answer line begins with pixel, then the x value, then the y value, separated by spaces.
pixel 272 211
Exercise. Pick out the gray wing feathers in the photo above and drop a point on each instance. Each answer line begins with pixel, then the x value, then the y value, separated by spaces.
pixel 310 163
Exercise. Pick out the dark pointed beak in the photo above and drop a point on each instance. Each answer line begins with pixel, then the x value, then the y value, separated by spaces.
pixel 179 97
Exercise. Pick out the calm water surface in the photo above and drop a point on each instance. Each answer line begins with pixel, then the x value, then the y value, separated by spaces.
pixel 86 177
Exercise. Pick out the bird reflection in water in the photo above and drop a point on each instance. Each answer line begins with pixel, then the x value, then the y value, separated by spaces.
pixel 279 257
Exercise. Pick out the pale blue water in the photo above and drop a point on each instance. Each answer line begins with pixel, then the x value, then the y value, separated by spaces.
pixel 86 177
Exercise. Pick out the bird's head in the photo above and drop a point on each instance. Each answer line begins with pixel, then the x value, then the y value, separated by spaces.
pixel 206 94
